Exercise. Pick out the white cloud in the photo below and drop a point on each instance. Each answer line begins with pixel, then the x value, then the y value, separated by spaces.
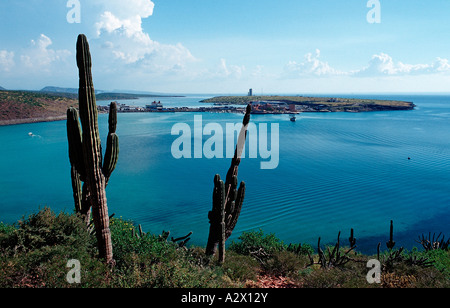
pixel 120 26
pixel 6 60
pixel 223 70
pixel 311 66
pixel 41 56
pixel 383 65
pixel 379 65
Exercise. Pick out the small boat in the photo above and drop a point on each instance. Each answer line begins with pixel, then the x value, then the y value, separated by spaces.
pixel 30 134
pixel 293 118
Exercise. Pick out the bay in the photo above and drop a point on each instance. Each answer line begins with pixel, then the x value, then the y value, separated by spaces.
pixel 336 171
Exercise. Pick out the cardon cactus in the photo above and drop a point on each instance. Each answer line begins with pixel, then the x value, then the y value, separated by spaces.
pixel 227 199
pixel 85 153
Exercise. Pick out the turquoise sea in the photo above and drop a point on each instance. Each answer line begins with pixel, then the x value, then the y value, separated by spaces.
pixel 336 171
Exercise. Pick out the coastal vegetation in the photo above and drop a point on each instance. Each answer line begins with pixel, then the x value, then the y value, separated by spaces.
pixel 317 104
pixel 34 253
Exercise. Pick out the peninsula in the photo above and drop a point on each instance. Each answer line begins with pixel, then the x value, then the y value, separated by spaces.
pixel 266 104
pixel 18 107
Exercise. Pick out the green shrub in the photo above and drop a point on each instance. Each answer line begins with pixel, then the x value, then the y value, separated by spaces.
pixel 36 253
pixel 6 229
pixel 126 241
pixel 255 240
pixel 240 268
pixel 301 249
pixel 285 263
pixel 46 229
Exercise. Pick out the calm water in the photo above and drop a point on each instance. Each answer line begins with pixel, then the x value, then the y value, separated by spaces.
pixel 337 171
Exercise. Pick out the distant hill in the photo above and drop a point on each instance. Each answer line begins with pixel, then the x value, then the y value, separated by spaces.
pixel 64 90
pixel 2 89
pixel 28 107
pixel 102 95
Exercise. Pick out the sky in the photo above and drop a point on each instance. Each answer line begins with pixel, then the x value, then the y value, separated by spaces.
pixel 230 46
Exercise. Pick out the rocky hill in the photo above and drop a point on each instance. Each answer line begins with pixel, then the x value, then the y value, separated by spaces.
pixel 27 107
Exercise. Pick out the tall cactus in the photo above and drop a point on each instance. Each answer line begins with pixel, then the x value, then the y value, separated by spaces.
pixel 390 245
pixel 227 199
pixel 85 153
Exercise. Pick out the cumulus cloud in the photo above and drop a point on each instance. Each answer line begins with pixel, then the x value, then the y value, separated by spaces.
pixel 379 65
pixel 311 66
pixel 6 60
pixel 41 56
pixel 120 26
pixel 384 65
pixel 223 70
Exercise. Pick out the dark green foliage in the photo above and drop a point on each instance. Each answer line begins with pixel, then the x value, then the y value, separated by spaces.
pixel 392 259
pixel 301 249
pixel 34 253
pixel 252 241
pixel 47 229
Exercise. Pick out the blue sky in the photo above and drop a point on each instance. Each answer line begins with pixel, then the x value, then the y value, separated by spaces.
pixel 229 46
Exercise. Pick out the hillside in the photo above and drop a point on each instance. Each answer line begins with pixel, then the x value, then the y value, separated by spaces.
pixel 27 107
pixel 318 104
pixel 65 90
pixel 101 95
pixel 2 89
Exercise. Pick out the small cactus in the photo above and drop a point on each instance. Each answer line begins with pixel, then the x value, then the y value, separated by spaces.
pixel 352 239
pixel 390 245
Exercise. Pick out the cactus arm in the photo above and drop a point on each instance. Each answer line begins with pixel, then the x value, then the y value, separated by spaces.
pixel 77 191
pixel 111 155
pixel 112 120
pixel 112 144
pixel 75 144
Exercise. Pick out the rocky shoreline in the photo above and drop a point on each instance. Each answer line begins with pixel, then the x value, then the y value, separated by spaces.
pixel 32 120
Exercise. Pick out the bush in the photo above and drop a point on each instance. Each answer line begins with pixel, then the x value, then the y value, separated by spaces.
pixel 255 240
pixel 36 253
pixel 46 229
pixel 126 241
